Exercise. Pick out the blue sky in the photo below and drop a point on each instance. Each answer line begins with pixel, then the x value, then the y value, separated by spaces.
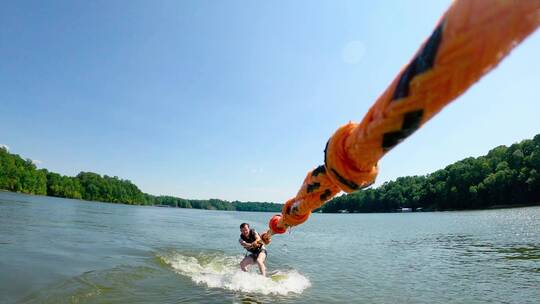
pixel 230 99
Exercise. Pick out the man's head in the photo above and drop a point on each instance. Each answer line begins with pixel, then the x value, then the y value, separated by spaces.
pixel 244 229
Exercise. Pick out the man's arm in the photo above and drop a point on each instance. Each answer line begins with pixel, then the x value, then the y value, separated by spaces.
pixel 257 238
pixel 244 244
pixel 258 241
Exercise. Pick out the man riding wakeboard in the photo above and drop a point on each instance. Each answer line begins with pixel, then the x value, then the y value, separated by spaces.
pixel 251 241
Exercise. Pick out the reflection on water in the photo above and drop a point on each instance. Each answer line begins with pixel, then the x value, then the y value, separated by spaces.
pixel 468 246
pixel 112 285
pixel 530 252
pixel 249 300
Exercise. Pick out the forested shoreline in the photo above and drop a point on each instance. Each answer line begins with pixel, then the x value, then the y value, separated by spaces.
pixel 21 175
pixel 508 176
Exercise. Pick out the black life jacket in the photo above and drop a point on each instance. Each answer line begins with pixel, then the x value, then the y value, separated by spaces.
pixel 250 239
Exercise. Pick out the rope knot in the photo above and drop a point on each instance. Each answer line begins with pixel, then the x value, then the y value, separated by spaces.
pixel 341 167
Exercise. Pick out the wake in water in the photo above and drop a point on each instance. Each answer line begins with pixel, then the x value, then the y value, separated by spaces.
pixel 221 271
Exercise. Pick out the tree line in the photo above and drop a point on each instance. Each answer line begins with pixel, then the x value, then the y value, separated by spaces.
pixel 21 175
pixel 505 176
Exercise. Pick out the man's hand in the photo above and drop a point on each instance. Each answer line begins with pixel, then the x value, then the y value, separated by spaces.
pixel 245 245
pixel 258 243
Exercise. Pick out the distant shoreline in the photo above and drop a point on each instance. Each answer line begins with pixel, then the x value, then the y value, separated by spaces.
pixel 20 175
pixel 494 207
pixel 125 204
pixel 506 177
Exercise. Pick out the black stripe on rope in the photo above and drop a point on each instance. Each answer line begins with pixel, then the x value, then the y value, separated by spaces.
pixel 313 187
pixel 352 185
pixel 411 122
pixel 320 169
pixel 420 64
pixel 326 195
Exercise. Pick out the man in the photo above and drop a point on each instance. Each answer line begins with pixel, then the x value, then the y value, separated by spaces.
pixel 251 241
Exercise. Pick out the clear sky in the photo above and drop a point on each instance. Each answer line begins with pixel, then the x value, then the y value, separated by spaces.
pixel 232 99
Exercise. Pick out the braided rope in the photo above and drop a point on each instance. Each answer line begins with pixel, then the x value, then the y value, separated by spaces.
pixel 471 38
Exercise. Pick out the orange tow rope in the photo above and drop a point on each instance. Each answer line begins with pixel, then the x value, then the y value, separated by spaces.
pixel 471 38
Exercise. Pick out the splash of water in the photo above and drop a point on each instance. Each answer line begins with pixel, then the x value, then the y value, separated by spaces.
pixel 222 271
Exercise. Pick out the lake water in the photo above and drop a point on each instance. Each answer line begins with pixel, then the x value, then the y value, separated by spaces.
pixel 68 251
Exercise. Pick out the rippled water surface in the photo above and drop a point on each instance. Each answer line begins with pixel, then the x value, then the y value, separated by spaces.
pixel 68 251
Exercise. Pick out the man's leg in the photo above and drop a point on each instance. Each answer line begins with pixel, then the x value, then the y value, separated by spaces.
pixel 260 262
pixel 248 260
